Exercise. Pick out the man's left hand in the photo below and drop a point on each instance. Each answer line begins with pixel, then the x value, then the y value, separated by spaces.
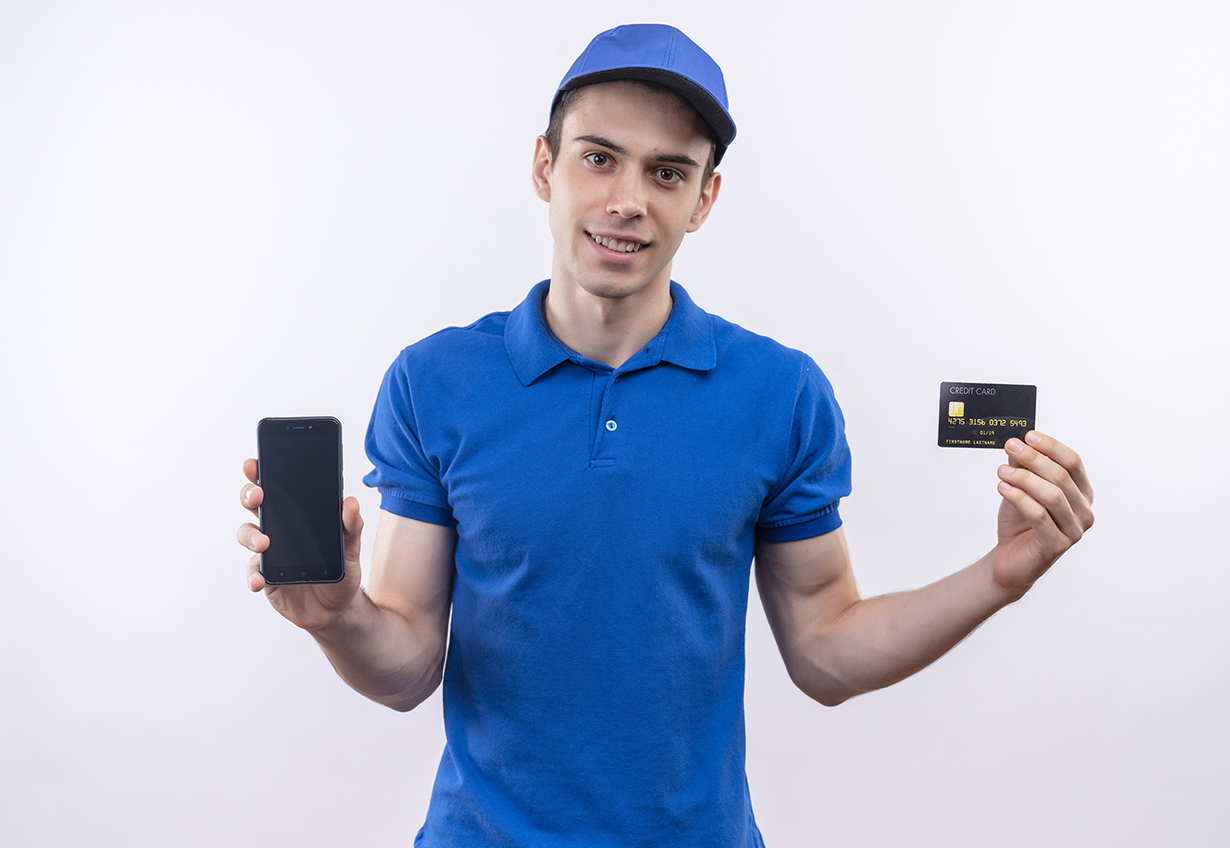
pixel 1046 508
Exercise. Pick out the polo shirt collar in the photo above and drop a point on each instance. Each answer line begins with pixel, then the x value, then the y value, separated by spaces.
pixel 686 340
pixel 689 334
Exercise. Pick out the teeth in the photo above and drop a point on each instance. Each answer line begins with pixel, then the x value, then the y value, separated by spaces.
pixel 615 244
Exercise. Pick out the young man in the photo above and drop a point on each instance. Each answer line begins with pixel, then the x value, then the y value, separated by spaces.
pixel 582 483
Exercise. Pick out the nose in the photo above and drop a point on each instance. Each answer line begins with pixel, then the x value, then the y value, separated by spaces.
pixel 627 198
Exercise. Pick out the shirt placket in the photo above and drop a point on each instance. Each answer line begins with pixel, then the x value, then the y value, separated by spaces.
pixel 605 420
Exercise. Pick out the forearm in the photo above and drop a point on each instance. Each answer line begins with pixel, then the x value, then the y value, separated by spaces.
pixel 381 655
pixel 878 641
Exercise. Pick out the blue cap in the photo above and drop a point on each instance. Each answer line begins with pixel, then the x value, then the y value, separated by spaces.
pixel 664 55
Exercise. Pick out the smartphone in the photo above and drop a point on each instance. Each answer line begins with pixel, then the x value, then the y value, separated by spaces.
pixel 300 470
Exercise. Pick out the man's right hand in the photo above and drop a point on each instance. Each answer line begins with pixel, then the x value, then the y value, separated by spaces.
pixel 391 646
pixel 312 606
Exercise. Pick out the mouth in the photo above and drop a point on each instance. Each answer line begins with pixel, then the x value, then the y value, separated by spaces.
pixel 617 245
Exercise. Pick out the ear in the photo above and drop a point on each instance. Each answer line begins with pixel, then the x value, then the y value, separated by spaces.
pixel 708 197
pixel 542 169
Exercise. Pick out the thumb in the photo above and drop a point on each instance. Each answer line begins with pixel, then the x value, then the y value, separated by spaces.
pixel 352 524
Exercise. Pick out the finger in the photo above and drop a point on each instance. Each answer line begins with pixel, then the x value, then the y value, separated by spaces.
pixel 1026 457
pixel 252 538
pixel 1044 495
pixel 1064 456
pixel 1049 537
pixel 256 580
pixel 352 524
pixel 251 496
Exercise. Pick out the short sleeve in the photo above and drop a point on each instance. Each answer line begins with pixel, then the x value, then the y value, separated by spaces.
pixel 804 503
pixel 406 476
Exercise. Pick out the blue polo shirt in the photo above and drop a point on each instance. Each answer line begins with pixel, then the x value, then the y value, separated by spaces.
pixel 606 520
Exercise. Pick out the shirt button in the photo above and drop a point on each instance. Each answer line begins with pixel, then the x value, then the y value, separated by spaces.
pixel 611 425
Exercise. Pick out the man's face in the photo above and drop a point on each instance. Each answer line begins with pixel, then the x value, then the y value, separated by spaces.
pixel 624 188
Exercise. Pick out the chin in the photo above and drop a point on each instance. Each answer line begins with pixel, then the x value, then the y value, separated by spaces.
pixel 611 292
pixel 614 289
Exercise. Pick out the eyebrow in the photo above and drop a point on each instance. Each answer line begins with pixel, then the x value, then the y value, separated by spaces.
pixel 670 158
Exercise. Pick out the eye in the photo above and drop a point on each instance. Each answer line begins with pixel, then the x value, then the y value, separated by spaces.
pixel 668 175
pixel 598 159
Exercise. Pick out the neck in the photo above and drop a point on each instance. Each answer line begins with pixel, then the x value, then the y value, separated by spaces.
pixel 606 329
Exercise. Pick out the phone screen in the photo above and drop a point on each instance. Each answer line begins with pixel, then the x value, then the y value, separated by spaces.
pixel 300 471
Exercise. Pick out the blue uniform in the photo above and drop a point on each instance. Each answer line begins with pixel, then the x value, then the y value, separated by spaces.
pixel 606 520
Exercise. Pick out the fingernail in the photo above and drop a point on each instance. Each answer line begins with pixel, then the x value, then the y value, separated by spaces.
pixel 1004 488
pixel 253 540
pixel 1005 471
pixel 1015 445
pixel 1033 437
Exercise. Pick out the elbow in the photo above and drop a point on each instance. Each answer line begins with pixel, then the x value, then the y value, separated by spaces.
pixel 830 700
pixel 413 692
pixel 404 702
pixel 828 696
pixel 820 682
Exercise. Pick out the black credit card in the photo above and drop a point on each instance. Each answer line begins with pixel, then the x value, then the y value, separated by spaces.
pixel 985 415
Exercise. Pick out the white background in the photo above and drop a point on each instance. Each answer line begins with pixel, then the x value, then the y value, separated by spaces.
pixel 213 212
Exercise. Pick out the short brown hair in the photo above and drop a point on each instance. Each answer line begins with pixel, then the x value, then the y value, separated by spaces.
pixel 567 99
